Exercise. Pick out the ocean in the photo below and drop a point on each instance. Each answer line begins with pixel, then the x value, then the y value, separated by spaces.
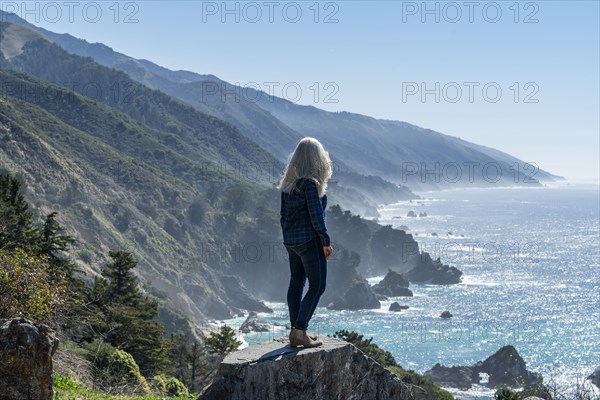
pixel 531 264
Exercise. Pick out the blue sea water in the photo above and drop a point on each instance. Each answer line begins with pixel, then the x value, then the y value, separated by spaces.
pixel 531 264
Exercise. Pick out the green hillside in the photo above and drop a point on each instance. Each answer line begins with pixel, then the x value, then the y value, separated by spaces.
pixel 180 127
pixel 113 197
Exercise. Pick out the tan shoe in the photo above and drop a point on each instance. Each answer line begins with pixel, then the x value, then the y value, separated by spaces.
pixel 313 337
pixel 299 337
pixel 296 337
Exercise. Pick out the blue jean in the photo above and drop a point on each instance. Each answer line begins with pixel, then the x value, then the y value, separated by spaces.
pixel 306 261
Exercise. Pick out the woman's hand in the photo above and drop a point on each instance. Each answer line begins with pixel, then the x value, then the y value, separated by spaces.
pixel 328 251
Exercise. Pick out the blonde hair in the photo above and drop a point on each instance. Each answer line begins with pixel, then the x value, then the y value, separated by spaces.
pixel 309 160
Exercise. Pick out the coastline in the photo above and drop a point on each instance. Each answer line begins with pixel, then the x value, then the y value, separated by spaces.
pixel 508 292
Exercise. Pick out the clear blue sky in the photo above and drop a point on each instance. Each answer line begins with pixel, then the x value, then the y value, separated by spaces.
pixel 378 56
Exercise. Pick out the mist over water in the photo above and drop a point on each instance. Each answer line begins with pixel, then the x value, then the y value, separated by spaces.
pixel 530 258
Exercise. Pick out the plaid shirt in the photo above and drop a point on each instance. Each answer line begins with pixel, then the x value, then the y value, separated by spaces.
pixel 303 214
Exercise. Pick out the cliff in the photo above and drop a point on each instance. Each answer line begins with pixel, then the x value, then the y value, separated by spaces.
pixel 336 370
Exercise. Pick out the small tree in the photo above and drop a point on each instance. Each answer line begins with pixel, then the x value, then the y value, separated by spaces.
pixel 53 243
pixel 197 211
pixel 122 283
pixel 192 363
pixel 223 341
pixel 16 230
pixel 126 318
pixel 237 200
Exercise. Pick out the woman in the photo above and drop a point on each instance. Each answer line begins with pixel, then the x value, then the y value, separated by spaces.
pixel 305 237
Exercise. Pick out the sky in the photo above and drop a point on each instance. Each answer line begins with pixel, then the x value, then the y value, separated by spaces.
pixel 522 77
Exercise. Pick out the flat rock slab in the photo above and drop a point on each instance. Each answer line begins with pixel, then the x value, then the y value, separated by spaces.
pixel 274 370
pixel 277 350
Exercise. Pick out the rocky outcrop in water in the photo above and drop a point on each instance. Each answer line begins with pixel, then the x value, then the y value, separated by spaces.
pixel 434 272
pixel 358 297
pixel 392 285
pixel 26 351
pixel 396 307
pixel 346 288
pixel 460 377
pixel 274 371
pixel 505 368
pixel 253 324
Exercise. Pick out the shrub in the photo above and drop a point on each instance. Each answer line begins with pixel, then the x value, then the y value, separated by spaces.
pixel 175 387
pixel 26 287
pixel 159 383
pixel 367 346
pixel 115 370
pixel 168 385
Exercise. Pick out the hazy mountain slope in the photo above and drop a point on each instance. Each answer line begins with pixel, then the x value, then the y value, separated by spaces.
pixel 14 37
pixel 401 152
pixel 532 170
pixel 219 99
pixel 102 53
pixel 65 169
pixel 205 92
pixel 195 135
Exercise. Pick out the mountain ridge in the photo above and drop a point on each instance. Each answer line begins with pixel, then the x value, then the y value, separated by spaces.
pixel 290 121
pixel 362 194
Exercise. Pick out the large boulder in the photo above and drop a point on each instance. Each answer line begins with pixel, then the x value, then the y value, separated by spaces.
pixel 396 307
pixel 435 272
pixel 253 324
pixel 506 368
pixel 393 285
pixel 274 370
pixel 460 377
pixel 595 377
pixel 26 351
pixel 358 297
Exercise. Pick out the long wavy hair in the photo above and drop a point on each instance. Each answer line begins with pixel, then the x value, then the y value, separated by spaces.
pixel 309 160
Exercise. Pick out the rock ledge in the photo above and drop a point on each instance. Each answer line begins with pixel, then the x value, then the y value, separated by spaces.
pixel 336 370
